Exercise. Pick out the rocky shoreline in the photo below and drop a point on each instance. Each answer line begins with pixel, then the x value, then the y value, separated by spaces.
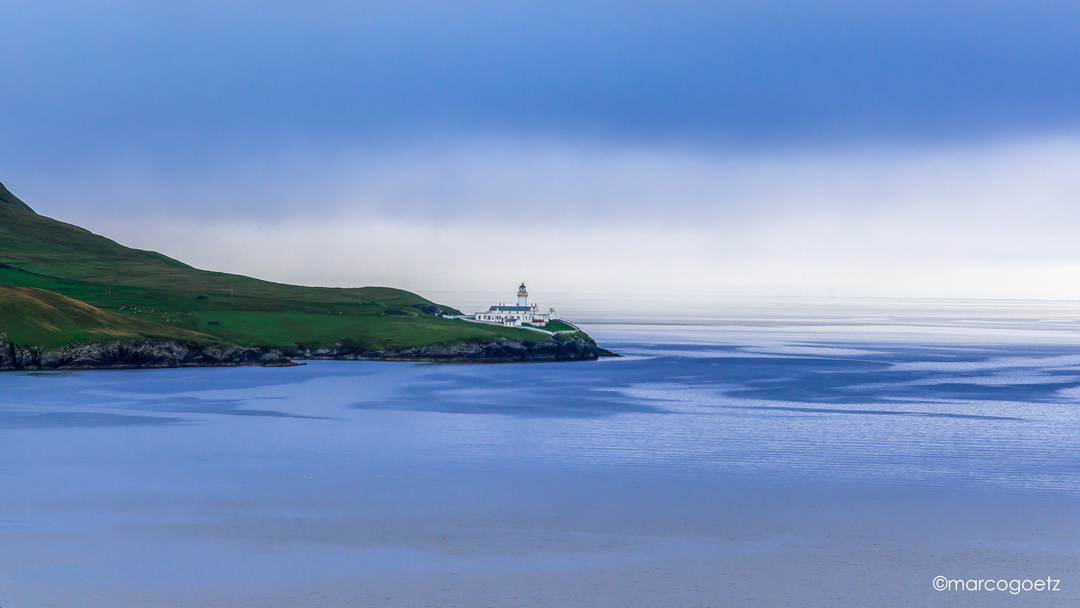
pixel 153 354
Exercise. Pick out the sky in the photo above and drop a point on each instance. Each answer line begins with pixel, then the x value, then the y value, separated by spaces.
pixel 853 148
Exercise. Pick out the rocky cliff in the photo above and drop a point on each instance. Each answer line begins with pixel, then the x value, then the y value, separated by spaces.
pixel 494 350
pixel 132 355
pixel 160 354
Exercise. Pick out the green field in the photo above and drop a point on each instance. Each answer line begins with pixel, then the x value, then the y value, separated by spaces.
pixel 43 253
pixel 42 318
pixel 558 326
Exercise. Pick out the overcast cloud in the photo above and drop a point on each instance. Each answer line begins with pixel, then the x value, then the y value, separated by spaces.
pixel 859 148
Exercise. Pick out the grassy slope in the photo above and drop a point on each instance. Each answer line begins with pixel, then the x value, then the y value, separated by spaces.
pixel 40 252
pixel 43 318
pixel 558 326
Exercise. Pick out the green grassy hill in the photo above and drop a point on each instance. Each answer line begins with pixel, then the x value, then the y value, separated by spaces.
pixel 43 318
pixel 46 254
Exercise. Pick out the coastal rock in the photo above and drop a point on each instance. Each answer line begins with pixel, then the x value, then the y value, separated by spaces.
pixel 495 350
pixel 14 357
pixel 132 355
pixel 161 354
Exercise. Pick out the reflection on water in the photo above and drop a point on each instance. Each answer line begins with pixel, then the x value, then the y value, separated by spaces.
pixel 708 441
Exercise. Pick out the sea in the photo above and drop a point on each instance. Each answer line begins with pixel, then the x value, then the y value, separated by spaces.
pixel 741 452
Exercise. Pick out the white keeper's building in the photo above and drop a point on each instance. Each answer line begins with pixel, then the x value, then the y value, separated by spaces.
pixel 515 316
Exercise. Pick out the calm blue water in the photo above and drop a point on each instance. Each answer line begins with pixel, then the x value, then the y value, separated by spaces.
pixel 739 459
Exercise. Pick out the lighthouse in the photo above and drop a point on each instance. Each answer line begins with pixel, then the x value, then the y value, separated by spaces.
pixel 516 316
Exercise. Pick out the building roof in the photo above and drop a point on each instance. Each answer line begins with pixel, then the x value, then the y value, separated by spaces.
pixel 510 308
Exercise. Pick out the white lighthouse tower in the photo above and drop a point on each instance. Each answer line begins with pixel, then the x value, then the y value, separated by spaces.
pixel 516 316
